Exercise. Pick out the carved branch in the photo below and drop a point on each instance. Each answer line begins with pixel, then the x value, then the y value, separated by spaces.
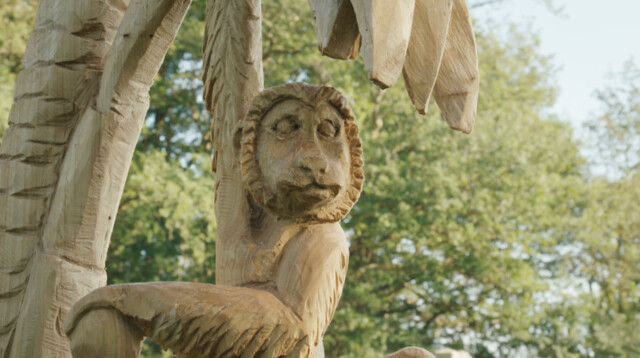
pixel 66 156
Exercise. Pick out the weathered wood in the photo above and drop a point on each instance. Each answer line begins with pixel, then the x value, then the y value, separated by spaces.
pixel 63 63
pixel 457 86
pixel 430 41
pixel 411 352
pixel 426 47
pixel 288 163
pixel 337 32
pixel 283 275
pixel 64 159
pixel 385 27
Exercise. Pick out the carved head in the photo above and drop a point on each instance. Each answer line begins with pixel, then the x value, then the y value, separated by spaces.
pixel 301 154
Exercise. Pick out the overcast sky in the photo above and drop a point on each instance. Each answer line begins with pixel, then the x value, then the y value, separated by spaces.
pixel 588 40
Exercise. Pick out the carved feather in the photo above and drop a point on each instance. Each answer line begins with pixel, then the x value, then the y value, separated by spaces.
pixel 203 320
pixel 66 154
pixel 426 46
pixel 232 68
pixel 337 32
pixel 62 67
pixel 457 86
pixel 232 76
pixel 386 28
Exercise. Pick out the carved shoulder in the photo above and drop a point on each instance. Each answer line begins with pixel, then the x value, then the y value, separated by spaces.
pixel 311 275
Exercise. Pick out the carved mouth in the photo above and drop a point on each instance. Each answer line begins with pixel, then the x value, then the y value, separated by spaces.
pixel 320 191
pixel 309 195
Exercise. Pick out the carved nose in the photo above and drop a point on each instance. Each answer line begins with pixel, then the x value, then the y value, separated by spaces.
pixel 314 162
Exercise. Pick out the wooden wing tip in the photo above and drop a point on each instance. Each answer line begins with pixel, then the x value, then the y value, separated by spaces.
pixel 385 27
pixel 381 82
pixel 346 50
pixel 420 103
pixel 336 28
pixel 459 111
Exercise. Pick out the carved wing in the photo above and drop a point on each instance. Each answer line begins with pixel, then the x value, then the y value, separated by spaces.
pixel 65 156
pixel 62 68
pixel 386 28
pixel 430 41
pixel 457 86
pixel 426 47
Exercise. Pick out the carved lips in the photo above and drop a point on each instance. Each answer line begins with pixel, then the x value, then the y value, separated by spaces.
pixel 307 197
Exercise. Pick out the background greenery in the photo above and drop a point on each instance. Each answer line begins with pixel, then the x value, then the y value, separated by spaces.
pixel 502 242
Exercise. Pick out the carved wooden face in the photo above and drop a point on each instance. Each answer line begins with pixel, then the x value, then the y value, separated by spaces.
pixel 301 155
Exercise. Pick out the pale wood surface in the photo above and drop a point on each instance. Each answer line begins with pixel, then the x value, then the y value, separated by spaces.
pixel 411 352
pixel 457 86
pixel 426 47
pixel 62 67
pixel 281 186
pixel 66 155
pixel 337 32
pixel 385 27
pixel 284 274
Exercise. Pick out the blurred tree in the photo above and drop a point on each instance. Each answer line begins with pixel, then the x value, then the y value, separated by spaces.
pixel 608 267
pixel 494 242
pixel 453 239
pixel 616 129
pixel 16 23
pixel 165 229
pixel 608 235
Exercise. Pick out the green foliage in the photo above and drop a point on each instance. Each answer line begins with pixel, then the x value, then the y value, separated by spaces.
pixel 165 228
pixel 498 242
pixel 609 230
pixel 177 122
pixel 16 22
pixel 608 266
pixel 616 130
pixel 451 236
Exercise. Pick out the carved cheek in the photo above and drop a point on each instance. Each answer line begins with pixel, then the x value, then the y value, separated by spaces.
pixel 339 162
pixel 281 158
pixel 270 163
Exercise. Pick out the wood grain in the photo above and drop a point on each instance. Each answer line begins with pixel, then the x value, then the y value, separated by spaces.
pixel 283 275
pixel 66 154
pixel 426 47
pixel 457 87
pixel 336 27
pixel 385 27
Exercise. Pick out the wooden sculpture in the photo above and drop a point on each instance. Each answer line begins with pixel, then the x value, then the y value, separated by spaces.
pixel 287 161
pixel 66 154
pixel 302 172
pixel 430 41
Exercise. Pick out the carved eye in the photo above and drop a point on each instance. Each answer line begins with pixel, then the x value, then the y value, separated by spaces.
pixel 285 126
pixel 328 129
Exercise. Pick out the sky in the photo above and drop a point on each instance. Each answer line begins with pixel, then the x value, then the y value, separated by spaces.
pixel 588 39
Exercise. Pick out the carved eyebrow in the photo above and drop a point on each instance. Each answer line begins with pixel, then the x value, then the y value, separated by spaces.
pixel 289 112
pixel 332 108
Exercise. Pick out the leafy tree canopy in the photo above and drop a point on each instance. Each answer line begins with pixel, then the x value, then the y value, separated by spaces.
pixel 500 242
